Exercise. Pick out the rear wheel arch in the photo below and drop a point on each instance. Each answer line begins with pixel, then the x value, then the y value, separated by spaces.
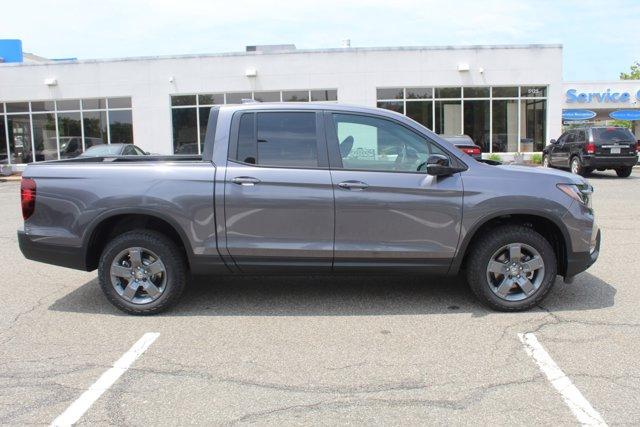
pixel 554 232
pixel 114 224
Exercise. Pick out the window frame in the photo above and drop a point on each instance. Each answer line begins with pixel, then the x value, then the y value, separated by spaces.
pixel 333 145
pixel 321 145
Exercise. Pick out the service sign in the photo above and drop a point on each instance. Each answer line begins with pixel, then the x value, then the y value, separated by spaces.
pixel 608 96
pixel 625 115
pixel 578 114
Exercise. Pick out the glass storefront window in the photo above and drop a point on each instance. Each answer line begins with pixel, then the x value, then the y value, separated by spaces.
pixel 94 104
pixel 185 130
pixel 448 92
pixel 95 129
pixel 44 137
pixel 533 124
pixel 237 97
pixel 121 127
pixel 19 138
pixel 295 96
pixel 476 92
pixel 211 99
pixel 70 135
pixel 476 122
pixel 421 112
pixel 448 118
pixel 505 126
pixel 43 106
pixel 324 95
pixel 17 107
pixel 397 106
pixel 419 93
pixel 505 92
pixel 390 93
pixel 4 156
pixel 68 105
pixel 267 96
pixel 533 91
pixel 119 102
pixel 183 100
pixel 204 120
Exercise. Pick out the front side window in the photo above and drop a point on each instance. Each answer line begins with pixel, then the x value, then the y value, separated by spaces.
pixel 369 143
pixel 285 139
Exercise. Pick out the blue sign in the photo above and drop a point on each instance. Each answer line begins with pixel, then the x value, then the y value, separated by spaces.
pixel 573 96
pixel 625 115
pixel 578 114
pixel 10 50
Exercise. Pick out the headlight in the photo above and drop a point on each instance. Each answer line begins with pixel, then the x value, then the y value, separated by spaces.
pixel 579 192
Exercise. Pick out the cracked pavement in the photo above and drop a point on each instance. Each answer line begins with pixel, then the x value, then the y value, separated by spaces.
pixel 325 351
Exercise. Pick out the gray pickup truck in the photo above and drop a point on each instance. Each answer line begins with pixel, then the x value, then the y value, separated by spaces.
pixel 308 189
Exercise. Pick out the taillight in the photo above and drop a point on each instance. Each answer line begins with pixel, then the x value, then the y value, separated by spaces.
pixel 638 147
pixel 28 197
pixel 590 148
pixel 471 150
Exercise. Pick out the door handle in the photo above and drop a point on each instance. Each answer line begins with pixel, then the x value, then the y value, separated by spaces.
pixel 353 185
pixel 246 181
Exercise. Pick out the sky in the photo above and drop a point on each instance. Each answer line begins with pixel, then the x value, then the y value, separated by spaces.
pixel 600 38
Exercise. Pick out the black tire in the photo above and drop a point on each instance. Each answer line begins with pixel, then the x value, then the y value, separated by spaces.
pixel 481 254
pixel 578 168
pixel 624 172
pixel 174 275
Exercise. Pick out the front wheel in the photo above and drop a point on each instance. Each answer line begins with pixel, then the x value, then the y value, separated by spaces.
pixel 545 162
pixel 142 272
pixel 624 171
pixel 511 268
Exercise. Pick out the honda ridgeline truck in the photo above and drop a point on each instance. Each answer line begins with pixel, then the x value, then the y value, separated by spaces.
pixel 308 189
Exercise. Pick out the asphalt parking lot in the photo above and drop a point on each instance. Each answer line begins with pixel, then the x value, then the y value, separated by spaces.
pixel 283 351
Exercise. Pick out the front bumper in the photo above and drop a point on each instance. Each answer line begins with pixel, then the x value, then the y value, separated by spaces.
pixel 63 256
pixel 608 161
pixel 578 262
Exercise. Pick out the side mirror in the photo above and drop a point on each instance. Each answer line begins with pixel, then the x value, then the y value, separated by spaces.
pixel 439 165
pixel 553 141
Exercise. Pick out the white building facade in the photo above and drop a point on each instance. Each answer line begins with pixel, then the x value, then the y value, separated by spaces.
pixel 507 98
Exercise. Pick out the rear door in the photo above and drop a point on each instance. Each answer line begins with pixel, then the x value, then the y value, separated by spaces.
pixel 389 213
pixel 279 207
pixel 563 150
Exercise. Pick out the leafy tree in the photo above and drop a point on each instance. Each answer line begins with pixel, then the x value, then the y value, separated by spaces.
pixel 634 74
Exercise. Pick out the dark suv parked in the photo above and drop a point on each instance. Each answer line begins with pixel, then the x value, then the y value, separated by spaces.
pixel 584 149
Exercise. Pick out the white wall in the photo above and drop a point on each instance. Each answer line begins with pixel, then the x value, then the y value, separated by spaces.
pixel 354 72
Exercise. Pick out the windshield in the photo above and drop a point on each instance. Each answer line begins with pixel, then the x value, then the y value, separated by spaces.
pixel 102 150
pixel 612 135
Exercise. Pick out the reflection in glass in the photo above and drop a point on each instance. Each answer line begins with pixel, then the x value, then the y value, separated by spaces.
pixel 476 122
pixel 397 106
pixel 324 95
pixel 390 93
pixel 419 93
pixel 237 97
pixel 448 118
pixel 211 99
pixel 44 137
pixel 505 126
pixel 42 106
pixel 95 129
pixel 94 104
pixel 533 124
pixel 4 158
pixel 68 104
pixel 183 100
pixel 533 91
pixel 17 107
pixel 267 96
pixel 295 96
pixel 121 127
pixel 476 92
pixel 69 129
pixel 185 131
pixel 124 102
pixel 448 92
pixel 204 120
pixel 19 138
pixel 505 92
pixel 421 112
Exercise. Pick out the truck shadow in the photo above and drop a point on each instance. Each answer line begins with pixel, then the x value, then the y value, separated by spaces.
pixel 339 296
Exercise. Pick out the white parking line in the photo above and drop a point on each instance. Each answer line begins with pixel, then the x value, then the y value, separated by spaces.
pixel 86 399
pixel 580 406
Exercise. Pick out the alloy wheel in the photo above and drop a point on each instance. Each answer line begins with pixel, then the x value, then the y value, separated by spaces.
pixel 138 275
pixel 515 271
pixel 575 166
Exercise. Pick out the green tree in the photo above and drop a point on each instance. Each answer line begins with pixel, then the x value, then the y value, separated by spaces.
pixel 634 74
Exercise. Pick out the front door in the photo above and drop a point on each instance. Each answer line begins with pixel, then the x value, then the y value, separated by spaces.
pixel 389 213
pixel 279 207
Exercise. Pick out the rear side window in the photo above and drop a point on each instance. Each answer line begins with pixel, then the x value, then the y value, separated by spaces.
pixel 612 135
pixel 286 139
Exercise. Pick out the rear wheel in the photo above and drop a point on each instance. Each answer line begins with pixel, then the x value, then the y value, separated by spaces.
pixel 576 166
pixel 142 272
pixel 511 268
pixel 624 172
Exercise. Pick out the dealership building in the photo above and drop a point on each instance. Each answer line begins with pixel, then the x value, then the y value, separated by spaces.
pixel 508 98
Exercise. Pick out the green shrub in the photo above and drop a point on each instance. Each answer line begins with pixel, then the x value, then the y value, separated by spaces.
pixel 495 157
pixel 536 159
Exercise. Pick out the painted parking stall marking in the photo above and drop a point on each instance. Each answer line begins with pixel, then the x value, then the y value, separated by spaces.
pixel 578 404
pixel 77 409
